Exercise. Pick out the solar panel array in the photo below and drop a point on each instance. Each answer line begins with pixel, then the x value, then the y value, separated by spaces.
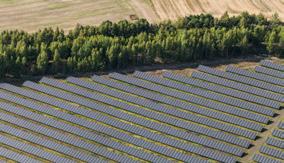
pixel 9 154
pixel 273 150
pixel 271 65
pixel 243 79
pixel 222 90
pixel 270 72
pixel 211 116
pixel 281 125
pixel 31 149
pixel 212 96
pixel 237 86
pixel 261 77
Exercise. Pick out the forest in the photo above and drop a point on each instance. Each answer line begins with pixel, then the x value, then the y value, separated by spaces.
pixel 112 46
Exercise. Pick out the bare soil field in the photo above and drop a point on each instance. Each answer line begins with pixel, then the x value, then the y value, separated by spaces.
pixel 172 9
pixel 31 15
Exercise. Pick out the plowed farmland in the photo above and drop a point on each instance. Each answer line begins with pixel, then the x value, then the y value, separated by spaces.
pixel 31 15
pixel 172 9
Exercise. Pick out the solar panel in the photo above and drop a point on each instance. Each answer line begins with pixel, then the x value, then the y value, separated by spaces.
pixel 254 75
pixel 205 121
pixel 121 118
pixel 140 121
pixel 77 131
pixel 161 108
pixel 242 79
pixel 41 141
pixel 176 103
pixel 275 142
pixel 272 152
pixel 223 90
pixel 209 95
pixel 264 159
pixel 32 149
pixel 237 86
pixel 98 127
pixel 269 64
pixel 270 72
pixel 16 156
pixel 281 125
pixel 183 96
pixel 278 133
pixel 118 124
pixel 115 113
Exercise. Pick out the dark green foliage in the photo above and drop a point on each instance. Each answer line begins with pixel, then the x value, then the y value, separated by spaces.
pixel 123 44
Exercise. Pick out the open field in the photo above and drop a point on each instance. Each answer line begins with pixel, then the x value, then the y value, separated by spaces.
pixel 31 15
pixel 176 8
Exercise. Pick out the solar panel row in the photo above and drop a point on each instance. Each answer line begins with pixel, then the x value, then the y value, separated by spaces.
pixel 80 132
pixel 242 79
pixel 270 72
pixel 281 125
pixel 16 156
pixel 271 65
pixel 223 90
pixel 272 152
pixel 115 123
pixel 264 159
pixel 126 106
pixel 149 95
pixel 70 107
pixel 150 104
pixel 182 96
pixel 32 149
pixel 145 133
pixel 254 75
pixel 210 95
pixel 278 133
pixel 220 108
pixel 41 141
pixel 176 103
pixel 275 142
pixel 103 129
pixel 237 85
pixel 173 93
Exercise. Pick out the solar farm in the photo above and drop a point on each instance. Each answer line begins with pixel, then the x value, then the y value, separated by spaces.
pixel 230 116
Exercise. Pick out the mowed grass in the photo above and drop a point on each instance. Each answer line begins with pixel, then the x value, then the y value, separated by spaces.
pixel 31 15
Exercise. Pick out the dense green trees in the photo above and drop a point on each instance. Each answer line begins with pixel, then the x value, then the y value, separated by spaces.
pixel 124 44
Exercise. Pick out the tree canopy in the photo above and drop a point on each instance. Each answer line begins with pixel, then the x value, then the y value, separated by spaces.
pixel 123 44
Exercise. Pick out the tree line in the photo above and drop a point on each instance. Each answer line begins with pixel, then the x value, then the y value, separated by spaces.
pixel 123 44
